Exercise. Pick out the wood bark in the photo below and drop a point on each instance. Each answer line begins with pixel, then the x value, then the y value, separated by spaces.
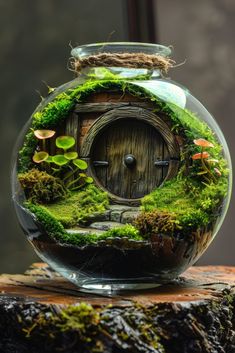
pixel 193 314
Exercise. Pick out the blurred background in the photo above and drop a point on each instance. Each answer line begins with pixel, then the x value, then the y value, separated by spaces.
pixel 35 41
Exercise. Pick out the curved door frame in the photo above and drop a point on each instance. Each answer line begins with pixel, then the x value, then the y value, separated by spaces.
pixel 143 115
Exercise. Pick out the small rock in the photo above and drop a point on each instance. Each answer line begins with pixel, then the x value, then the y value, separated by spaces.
pixel 85 231
pixel 99 217
pixel 129 216
pixel 105 225
pixel 119 208
pixel 116 215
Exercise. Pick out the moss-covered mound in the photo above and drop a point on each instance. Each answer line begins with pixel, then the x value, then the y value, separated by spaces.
pixel 41 187
pixel 56 231
pixel 180 206
pixel 79 206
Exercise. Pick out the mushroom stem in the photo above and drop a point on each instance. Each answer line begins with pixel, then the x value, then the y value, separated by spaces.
pixel 205 166
pixel 44 145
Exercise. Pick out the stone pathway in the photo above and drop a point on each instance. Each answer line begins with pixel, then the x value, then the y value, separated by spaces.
pixel 115 216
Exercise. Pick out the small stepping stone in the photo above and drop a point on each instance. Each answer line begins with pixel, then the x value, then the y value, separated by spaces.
pixel 85 231
pixel 99 217
pixel 116 215
pixel 129 216
pixel 123 208
pixel 106 225
pixel 116 211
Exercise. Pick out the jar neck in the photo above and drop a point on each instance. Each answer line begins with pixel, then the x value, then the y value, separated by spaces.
pixel 119 73
pixel 121 60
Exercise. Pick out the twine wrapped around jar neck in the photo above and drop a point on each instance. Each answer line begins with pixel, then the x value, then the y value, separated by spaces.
pixel 127 60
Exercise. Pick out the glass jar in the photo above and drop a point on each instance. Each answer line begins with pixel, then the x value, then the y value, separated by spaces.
pixel 121 177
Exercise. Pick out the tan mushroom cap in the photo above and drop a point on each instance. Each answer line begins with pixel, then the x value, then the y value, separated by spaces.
pixel 203 143
pixel 218 172
pixel 40 157
pixel 200 155
pixel 44 134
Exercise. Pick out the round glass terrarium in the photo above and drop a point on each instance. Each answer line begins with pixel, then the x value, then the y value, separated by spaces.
pixel 121 178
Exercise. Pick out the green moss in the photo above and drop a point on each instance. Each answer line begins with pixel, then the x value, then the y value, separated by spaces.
pixel 41 187
pixel 26 152
pixel 79 323
pixel 180 205
pixel 78 207
pixel 56 230
pixel 128 231
pixel 52 227
pixel 84 328
pixel 78 239
pixel 156 222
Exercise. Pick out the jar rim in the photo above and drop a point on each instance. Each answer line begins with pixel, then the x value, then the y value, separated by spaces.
pixel 85 50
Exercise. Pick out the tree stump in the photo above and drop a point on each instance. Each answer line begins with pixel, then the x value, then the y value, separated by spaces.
pixel 42 312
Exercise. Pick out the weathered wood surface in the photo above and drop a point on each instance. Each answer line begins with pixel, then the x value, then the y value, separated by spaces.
pixel 145 144
pixel 195 314
pixel 103 107
pixel 130 130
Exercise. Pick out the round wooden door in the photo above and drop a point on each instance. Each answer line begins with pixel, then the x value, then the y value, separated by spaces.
pixel 130 158
pixel 130 151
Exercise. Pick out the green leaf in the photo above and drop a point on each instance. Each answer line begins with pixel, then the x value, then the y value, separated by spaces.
pixel 80 164
pixel 71 155
pixel 89 180
pixel 65 142
pixel 49 159
pixel 40 157
pixel 59 159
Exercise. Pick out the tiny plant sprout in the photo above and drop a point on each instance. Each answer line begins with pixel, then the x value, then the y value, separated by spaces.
pixel 40 157
pixel 71 155
pixel 65 142
pixel 80 164
pixel 60 160
pixel 202 155
pixel 89 180
pixel 203 143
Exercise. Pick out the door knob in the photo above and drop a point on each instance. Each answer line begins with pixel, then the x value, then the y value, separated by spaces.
pixel 129 160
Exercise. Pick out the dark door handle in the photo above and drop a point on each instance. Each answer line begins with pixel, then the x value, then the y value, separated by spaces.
pixel 100 163
pixel 161 163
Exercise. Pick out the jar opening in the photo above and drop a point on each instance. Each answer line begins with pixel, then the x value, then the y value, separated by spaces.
pixel 124 55
pixel 83 51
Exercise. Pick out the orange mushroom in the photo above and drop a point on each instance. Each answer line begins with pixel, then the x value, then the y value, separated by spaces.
pixel 44 134
pixel 200 155
pixel 203 143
